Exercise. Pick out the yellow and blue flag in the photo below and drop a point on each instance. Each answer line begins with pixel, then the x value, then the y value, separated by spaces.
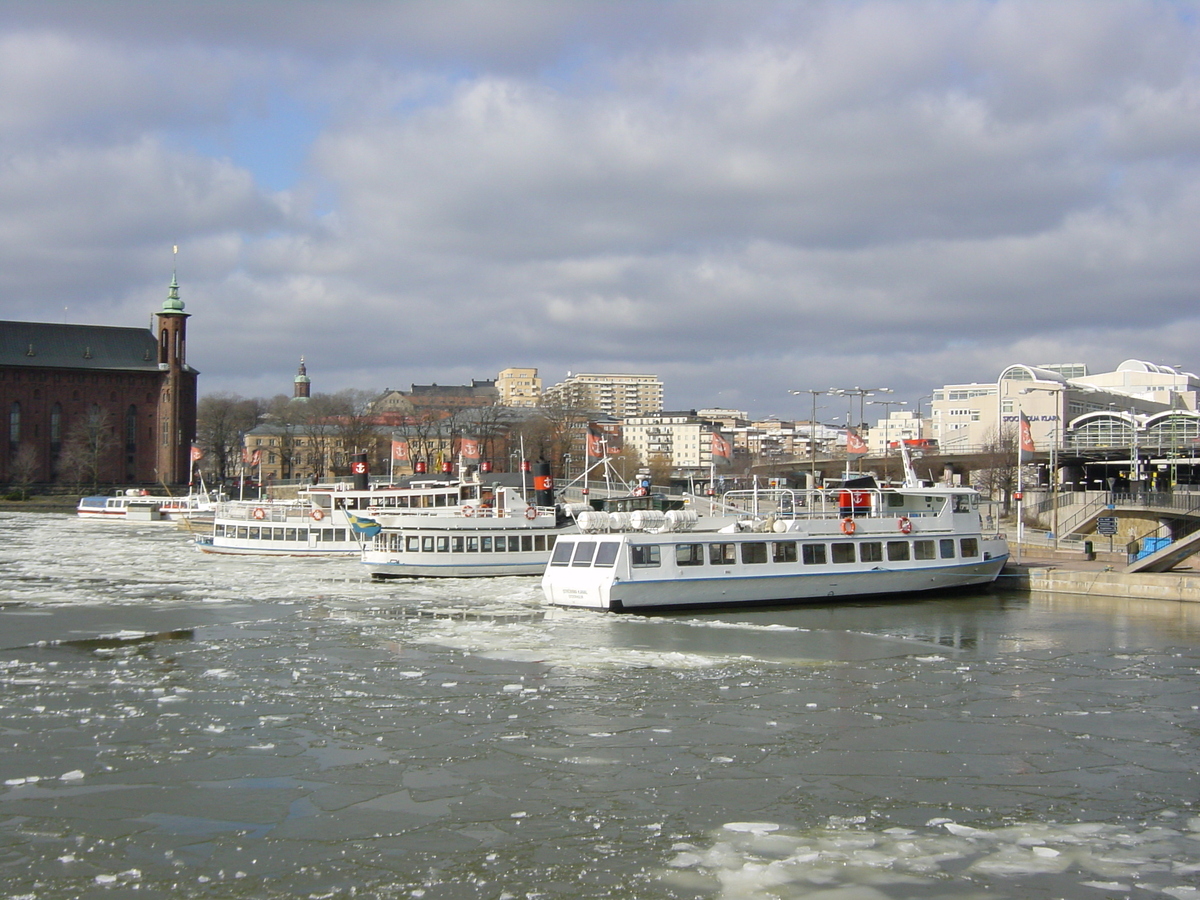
pixel 363 525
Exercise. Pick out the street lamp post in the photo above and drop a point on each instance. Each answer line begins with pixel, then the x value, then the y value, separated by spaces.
pixel 887 418
pixel 812 435
pixel 862 393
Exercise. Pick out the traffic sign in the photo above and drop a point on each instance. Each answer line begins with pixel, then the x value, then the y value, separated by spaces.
pixel 1106 525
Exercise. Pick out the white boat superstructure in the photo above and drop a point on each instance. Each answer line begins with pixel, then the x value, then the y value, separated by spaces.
pixel 787 546
pixel 140 505
pixel 498 534
pixel 321 520
pixel 125 504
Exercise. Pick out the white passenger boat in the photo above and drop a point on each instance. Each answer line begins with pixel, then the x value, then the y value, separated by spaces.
pixel 130 503
pixel 320 521
pixel 788 546
pixel 495 534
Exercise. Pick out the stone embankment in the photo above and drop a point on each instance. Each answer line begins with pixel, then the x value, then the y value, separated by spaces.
pixel 1102 576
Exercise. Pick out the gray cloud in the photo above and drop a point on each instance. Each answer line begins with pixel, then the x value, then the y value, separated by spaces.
pixel 795 195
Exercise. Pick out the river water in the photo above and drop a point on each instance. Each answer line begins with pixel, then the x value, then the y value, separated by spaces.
pixel 182 725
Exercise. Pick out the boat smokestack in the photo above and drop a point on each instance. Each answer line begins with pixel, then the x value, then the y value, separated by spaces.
pixel 543 484
pixel 358 469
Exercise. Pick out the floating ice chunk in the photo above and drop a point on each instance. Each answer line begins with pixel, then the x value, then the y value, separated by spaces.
pixel 513 688
pixel 1182 892
pixel 751 827
pixel 73 775
pixel 1107 885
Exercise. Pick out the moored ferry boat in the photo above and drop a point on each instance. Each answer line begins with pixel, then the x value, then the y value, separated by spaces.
pixel 499 533
pixel 786 546
pixel 141 505
pixel 123 504
pixel 320 521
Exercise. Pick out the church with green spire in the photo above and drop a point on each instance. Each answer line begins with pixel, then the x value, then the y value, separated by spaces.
pixel 88 403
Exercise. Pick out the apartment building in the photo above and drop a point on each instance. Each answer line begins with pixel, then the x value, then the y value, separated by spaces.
pixel 684 438
pixel 616 395
pixel 519 387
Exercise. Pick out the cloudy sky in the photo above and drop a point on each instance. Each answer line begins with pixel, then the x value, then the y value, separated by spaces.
pixel 741 197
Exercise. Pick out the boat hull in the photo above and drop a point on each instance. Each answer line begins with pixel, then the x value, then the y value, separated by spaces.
pixel 623 588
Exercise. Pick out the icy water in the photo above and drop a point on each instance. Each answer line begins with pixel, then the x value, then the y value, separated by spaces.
pixel 181 725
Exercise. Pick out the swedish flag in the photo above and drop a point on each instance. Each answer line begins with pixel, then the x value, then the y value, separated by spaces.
pixel 363 525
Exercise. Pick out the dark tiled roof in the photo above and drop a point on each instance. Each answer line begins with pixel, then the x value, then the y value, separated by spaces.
pixel 76 346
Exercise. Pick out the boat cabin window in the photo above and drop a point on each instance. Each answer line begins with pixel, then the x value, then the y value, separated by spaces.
pixel 526 543
pixel 870 551
pixel 962 503
pixel 443 543
pixel 843 552
pixel 584 551
pixel 783 551
pixel 754 552
pixel 562 554
pixel 923 550
pixel 721 554
pixel 969 547
pixel 689 555
pixel 644 555
pixel 606 554
pixel 485 544
pixel 898 551
pixel 813 554
pixel 456 544
pixel 946 548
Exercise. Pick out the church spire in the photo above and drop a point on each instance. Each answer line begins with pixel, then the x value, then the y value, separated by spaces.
pixel 303 383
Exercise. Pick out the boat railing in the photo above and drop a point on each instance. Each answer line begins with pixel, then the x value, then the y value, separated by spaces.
pixel 814 503
pixel 265 512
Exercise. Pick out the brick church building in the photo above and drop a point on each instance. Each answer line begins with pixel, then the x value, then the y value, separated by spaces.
pixel 128 393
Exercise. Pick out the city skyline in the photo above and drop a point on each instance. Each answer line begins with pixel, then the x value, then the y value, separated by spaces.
pixel 744 199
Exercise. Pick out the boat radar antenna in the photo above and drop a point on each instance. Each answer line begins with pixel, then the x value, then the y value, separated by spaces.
pixel 910 476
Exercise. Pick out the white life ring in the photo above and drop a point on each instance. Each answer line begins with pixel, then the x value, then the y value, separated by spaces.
pixel 317 515
pixel 904 523
pixel 848 526
pixel 468 510
pixel 260 513
pixel 531 513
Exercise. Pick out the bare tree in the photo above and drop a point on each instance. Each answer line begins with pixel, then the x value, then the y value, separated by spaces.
pixel 222 421
pixel 996 467
pixel 89 447
pixel 24 468
pixel 358 430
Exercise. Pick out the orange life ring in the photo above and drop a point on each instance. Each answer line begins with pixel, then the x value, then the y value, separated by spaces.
pixel 468 510
pixel 260 513
pixel 848 526
pixel 317 515
pixel 904 523
pixel 531 513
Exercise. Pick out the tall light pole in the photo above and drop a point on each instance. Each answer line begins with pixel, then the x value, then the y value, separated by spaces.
pixel 887 419
pixel 812 434
pixel 862 393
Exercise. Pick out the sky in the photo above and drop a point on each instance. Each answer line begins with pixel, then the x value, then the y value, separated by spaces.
pixel 743 198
